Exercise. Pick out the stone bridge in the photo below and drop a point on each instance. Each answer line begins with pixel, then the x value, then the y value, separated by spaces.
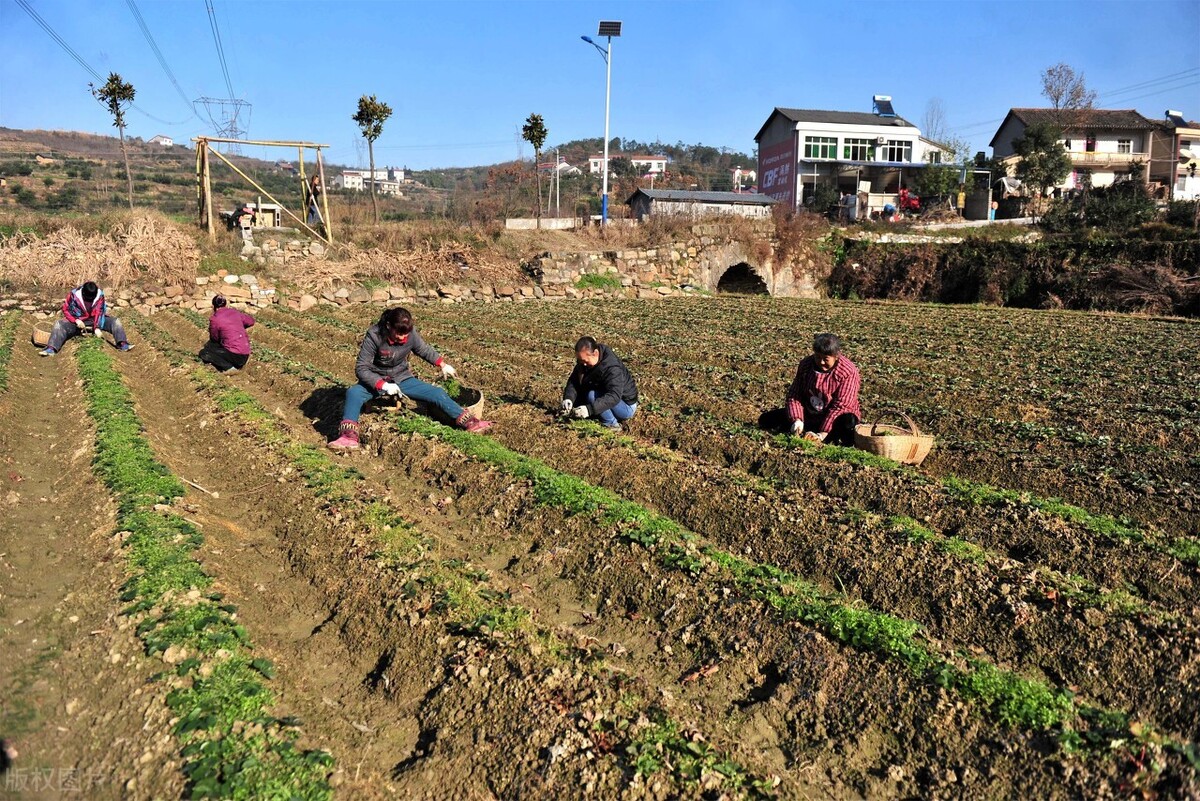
pixel 707 261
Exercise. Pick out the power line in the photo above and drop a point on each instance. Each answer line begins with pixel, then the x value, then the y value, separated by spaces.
pixel 1171 78
pixel 1164 79
pixel 137 15
pixel 212 23
pixel 500 143
pixel 79 59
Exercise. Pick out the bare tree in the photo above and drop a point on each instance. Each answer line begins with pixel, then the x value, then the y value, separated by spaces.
pixel 933 123
pixel 1068 95
pixel 116 95
pixel 370 117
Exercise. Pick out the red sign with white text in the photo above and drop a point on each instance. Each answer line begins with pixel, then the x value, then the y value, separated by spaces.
pixel 777 171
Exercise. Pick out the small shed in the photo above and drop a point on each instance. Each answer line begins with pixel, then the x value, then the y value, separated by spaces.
pixel 645 202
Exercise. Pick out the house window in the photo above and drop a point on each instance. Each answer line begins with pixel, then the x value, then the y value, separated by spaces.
pixel 857 150
pixel 934 157
pixel 1067 144
pixel 897 150
pixel 820 147
pixel 1090 144
pixel 1124 145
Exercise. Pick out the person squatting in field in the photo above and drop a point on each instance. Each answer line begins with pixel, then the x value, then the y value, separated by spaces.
pixel 85 311
pixel 228 346
pixel 382 370
pixel 822 402
pixel 600 386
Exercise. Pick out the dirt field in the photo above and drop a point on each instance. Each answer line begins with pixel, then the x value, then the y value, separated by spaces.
pixel 687 609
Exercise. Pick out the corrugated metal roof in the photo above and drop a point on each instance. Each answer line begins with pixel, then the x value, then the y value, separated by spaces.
pixel 703 197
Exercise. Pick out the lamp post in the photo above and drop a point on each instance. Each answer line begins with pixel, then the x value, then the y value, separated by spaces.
pixel 608 29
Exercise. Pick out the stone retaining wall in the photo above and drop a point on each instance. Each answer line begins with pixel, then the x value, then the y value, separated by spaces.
pixel 688 267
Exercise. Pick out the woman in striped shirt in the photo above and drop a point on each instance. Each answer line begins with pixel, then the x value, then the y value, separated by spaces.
pixel 822 402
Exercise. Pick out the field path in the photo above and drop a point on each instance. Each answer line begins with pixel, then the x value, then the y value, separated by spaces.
pixel 75 700
pixel 318 680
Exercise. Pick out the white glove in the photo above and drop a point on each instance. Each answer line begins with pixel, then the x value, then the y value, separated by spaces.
pixel 816 436
pixel 448 371
pixel 581 412
pixel 566 406
pixel 390 388
pixel 97 332
pixel 798 427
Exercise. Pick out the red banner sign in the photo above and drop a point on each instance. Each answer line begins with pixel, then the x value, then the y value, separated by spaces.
pixel 777 171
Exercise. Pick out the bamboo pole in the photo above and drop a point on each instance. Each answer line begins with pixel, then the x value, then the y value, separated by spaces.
pixel 324 197
pixel 208 216
pixel 199 192
pixel 303 184
pixel 253 183
pixel 264 142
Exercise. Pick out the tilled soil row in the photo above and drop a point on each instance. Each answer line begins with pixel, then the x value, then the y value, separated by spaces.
pixel 590 567
pixel 1104 657
pixel 1142 452
pixel 1026 535
pixel 740 381
pixel 78 702
pixel 462 689
pixel 529 374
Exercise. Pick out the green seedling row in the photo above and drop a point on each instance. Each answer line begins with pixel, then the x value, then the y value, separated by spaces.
pixel 974 493
pixel 8 333
pixel 458 591
pixel 232 746
pixel 1010 699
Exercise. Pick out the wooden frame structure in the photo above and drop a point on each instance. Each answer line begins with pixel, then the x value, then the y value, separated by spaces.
pixel 204 202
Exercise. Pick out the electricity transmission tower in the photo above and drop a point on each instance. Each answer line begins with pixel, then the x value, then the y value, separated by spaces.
pixel 229 118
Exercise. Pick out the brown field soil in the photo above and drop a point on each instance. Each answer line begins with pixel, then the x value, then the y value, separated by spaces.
pixel 484 644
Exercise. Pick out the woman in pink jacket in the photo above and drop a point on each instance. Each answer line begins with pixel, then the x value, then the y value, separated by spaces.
pixel 228 345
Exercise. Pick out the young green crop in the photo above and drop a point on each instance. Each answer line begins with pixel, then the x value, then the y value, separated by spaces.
pixel 216 711
pixel 1010 699
pixel 8 334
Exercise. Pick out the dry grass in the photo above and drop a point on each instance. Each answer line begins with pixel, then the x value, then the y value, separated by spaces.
pixel 425 266
pixel 145 248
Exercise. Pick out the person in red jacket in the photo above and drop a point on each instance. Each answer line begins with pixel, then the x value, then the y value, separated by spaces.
pixel 822 402
pixel 228 346
pixel 85 312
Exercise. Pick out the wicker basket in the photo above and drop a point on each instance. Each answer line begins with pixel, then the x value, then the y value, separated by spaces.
pixel 907 446
pixel 41 334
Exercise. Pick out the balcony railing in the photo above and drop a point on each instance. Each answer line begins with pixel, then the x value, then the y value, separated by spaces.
pixel 1081 158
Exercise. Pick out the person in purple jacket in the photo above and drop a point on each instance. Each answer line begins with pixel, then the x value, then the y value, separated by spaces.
pixel 382 369
pixel 228 345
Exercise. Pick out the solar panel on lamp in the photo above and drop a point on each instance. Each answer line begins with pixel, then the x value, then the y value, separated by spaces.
pixel 609 28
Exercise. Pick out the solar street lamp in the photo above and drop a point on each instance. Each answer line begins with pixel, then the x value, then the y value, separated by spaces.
pixel 608 29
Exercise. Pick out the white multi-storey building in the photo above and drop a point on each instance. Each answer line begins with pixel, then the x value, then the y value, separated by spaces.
pixel 851 151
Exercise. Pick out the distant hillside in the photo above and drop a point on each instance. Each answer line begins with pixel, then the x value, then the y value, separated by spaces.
pixel 691 166
pixel 82 172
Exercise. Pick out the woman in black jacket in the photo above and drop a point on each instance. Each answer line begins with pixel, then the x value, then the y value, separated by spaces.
pixel 600 386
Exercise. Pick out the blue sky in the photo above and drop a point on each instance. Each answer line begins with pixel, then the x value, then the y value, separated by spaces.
pixel 462 76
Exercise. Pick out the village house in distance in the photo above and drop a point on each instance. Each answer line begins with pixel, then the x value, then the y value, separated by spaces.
pixel 855 152
pixel 388 180
pixel 1111 145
